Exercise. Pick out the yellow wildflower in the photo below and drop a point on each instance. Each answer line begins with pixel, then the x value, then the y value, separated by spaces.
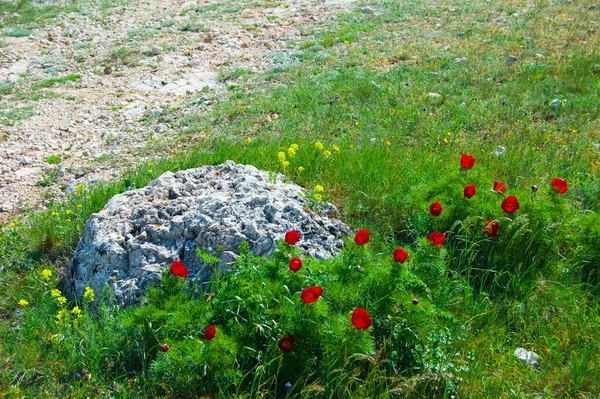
pixel 79 188
pixel 55 293
pixel 79 206
pixel 150 170
pixel 46 274
pixel 295 146
pixel 319 189
pixel 326 153
pixel 62 315
pixel 300 169
pixel 249 140
pixel 291 152
pixel 335 148
pixel 446 140
pixel 68 212
pixel 318 197
pixel 319 145
pixel 68 220
pixel 23 303
pixel 388 143
pixel 54 213
pixel 61 300
pixel 285 164
pixel 12 225
pixel 76 311
pixel 89 294
pixel 449 133
pixel 356 123
pixel 281 155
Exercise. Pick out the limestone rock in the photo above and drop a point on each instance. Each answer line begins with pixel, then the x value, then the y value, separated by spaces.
pixel 528 357
pixel 131 242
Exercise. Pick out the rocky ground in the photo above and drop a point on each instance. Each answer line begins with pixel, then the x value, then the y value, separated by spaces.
pixel 76 94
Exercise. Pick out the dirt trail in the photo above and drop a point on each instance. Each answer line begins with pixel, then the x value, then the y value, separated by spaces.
pixel 114 67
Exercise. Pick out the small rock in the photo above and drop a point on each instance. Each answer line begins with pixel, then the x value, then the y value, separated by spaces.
pixel 556 103
pixel 461 60
pixel 156 50
pixel 511 59
pixel 461 34
pixel 60 173
pixel 366 10
pixel 527 357
pixel 592 7
pixel 499 151
pixel 108 70
pixel 433 95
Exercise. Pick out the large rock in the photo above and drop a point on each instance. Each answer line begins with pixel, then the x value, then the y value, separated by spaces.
pixel 133 240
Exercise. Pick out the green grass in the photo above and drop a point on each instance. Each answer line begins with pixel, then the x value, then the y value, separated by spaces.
pixel 360 84
pixel 74 77
pixel 18 32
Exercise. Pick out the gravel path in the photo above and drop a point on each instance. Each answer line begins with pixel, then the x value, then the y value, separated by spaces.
pixel 114 67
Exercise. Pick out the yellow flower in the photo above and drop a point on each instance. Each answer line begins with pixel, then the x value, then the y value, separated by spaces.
pixel 294 146
pixel 61 300
pixel 335 148
pixel 62 315
pixel 76 311
pixel 23 303
pixel 356 123
pixel 55 293
pixel 12 225
pixel 281 155
pixel 446 140
pixel 319 189
pixel 79 188
pixel 291 152
pixel 285 164
pixel 46 274
pixel 326 153
pixel 346 42
pixel 89 294
pixel 318 197
pixel 249 140
pixel 79 206
pixel 319 145
pixel 54 213
pixel 68 212
pixel 564 100
pixel 300 169
pixel 449 133
pixel 150 170
pixel 68 220
pixel 388 143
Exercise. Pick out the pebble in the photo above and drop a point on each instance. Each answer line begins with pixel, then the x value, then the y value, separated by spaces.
pixel 511 59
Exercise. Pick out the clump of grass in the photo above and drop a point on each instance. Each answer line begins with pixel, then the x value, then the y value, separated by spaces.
pixel 18 32
pixel 74 77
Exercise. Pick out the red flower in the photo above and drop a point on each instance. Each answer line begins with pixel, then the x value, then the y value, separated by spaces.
pixel 560 185
pixel 467 161
pixel 435 209
pixel 210 332
pixel 178 269
pixel 499 187
pixel 292 237
pixel 362 237
pixel 311 294
pixel 470 190
pixel 361 319
pixel 491 228
pixel 400 255
pixel 510 204
pixel 164 347
pixel 437 238
pixel 286 343
pixel 295 264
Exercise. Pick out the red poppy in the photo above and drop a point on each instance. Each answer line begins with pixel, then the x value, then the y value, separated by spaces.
pixel 295 264
pixel 499 187
pixel 467 161
pixel 178 269
pixel 560 185
pixel 437 238
pixel 164 347
pixel 210 332
pixel 435 209
pixel 361 319
pixel 311 294
pixel 292 237
pixel 286 343
pixel 491 228
pixel 400 255
pixel 470 190
pixel 362 237
pixel 510 204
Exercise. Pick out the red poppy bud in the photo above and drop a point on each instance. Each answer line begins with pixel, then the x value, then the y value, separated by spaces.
pixel 292 237
pixel 491 228
pixel 311 294
pixel 178 269
pixel 295 264
pixel 560 185
pixel 361 319
pixel 437 238
pixel 286 344
pixel 467 161
pixel 470 190
pixel 164 347
pixel 499 187
pixel 400 255
pixel 435 209
pixel 362 237
pixel 210 332
pixel 510 204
